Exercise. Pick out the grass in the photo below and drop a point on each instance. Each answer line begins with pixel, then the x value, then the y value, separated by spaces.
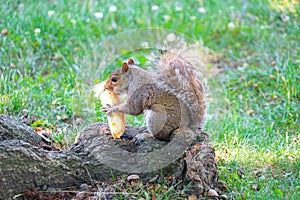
pixel 254 114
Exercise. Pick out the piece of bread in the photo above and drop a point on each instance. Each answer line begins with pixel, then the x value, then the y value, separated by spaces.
pixel 116 120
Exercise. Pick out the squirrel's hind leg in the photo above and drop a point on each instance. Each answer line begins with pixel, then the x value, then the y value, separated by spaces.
pixel 159 123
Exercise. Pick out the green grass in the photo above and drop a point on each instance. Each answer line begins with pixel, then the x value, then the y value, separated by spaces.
pixel 254 114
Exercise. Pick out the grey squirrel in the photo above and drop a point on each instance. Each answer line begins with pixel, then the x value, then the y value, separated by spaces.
pixel 172 97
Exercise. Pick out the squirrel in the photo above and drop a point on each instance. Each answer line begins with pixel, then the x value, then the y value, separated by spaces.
pixel 172 97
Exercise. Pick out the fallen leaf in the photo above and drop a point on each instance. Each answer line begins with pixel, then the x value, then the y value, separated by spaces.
pixel 4 32
pixel 250 112
pixel 273 63
pixel 256 85
pixel 133 177
pixel 212 193
pixel 272 77
pixel 192 197
pixel 12 65
pixel 153 179
pixel 272 103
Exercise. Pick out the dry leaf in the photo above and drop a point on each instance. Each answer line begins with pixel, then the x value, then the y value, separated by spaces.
pixel 192 197
pixel 12 65
pixel 212 193
pixel 4 32
pixel 133 177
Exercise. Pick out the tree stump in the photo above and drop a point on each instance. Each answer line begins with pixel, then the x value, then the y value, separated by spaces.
pixel 24 165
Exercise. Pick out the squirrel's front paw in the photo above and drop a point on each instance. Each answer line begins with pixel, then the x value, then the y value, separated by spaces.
pixel 108 108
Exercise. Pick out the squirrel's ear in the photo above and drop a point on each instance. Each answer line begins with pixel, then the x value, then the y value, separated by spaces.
pixel 125 67
pixel 130 61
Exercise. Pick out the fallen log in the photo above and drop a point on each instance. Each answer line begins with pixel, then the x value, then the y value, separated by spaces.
pixel 24 165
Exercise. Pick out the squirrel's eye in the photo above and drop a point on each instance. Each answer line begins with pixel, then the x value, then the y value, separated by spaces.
pixel 114 79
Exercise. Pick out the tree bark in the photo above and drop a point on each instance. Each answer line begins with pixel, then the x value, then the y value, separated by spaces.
pixel 10 129
pixel 96 156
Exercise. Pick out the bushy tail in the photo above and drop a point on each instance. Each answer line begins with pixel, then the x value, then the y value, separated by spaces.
pixel 179 73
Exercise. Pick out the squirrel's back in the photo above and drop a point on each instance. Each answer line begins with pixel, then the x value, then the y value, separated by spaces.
pixel 178 76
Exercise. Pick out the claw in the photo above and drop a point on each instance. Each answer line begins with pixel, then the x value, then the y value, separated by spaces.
pixel 107 109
